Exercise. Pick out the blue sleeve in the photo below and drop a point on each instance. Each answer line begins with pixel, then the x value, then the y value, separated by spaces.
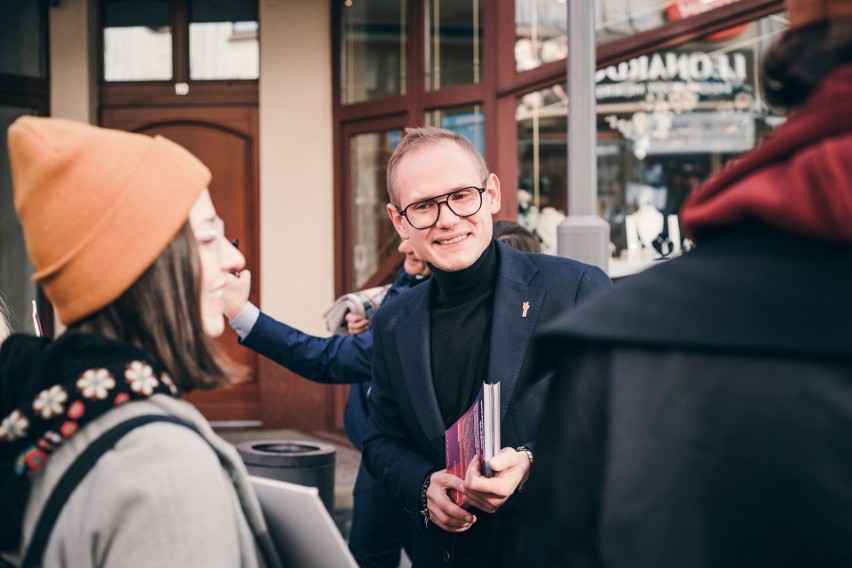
pixel 339 359
pixel 245 320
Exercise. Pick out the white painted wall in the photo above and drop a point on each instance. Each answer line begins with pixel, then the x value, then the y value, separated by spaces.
pixel 73 67
pixel 296 162
pixel 73 63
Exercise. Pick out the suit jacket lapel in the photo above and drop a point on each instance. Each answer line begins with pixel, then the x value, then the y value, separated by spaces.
pixel 414 351
pixel 511 334
pixel 512 325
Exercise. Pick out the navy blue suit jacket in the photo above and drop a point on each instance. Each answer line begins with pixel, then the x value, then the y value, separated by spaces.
pixel 338 359
pixel 405 434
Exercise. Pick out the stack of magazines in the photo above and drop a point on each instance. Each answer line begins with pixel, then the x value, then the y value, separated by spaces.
pixel 476 433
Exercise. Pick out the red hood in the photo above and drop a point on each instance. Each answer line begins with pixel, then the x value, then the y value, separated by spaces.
pixel 799 180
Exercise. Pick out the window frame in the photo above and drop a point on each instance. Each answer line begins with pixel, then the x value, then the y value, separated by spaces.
pixel 497 91
pixel 344 225
pixel 165 92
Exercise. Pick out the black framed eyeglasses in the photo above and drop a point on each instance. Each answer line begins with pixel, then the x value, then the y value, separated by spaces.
pixel 462 202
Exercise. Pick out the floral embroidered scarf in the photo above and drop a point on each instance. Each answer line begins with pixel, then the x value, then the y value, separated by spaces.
pixel 51 389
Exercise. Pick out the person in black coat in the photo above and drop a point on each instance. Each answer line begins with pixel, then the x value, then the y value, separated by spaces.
pixel 702 411
pixel 435 346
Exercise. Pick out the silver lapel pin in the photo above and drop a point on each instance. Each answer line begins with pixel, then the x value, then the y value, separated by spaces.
pixel 526 307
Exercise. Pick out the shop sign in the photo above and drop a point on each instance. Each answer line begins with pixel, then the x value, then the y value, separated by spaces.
pixel 680 9
pixel 627 17
pixel 709 76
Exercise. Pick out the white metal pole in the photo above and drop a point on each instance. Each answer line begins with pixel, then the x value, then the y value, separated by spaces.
pixel 583 235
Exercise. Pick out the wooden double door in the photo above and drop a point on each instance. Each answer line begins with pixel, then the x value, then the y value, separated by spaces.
pixel 225 139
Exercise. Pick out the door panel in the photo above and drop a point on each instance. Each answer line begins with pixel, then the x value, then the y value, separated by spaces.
pixel 224 139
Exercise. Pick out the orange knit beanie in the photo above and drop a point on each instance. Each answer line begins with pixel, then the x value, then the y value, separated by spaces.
pixel 98 206
pixel 806 12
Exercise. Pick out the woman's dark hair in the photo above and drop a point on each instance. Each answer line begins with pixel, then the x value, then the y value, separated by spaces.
pixel 516 236
pixel 160 314
pixel 801 58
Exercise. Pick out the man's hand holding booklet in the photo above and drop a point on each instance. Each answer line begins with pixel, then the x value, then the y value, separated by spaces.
pixel 476 433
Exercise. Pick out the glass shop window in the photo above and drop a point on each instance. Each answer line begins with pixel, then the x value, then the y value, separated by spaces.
pixel 454 43
pixel 223 40
pixel 137 40
pixel 374 43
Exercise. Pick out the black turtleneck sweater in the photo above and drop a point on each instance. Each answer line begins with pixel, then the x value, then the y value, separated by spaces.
pixel 462 305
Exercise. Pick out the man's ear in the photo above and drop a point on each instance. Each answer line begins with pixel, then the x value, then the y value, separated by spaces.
pixel 398 223
pixel 492 190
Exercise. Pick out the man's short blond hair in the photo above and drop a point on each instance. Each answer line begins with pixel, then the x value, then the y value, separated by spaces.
pixel 423 136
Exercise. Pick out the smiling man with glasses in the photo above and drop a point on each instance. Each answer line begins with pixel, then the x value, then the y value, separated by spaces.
pixel 434 347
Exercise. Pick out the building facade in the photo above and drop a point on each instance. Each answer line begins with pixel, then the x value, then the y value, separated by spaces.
pixel 296 106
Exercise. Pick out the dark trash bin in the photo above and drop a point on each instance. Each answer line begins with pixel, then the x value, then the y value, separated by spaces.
pixel 295 461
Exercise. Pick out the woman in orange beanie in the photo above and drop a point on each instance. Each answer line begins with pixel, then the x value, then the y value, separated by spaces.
pixel 126 243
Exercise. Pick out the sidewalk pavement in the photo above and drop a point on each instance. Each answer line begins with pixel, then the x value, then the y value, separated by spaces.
pixel 346 462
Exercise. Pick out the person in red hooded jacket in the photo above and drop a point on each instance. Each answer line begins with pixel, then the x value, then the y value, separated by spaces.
pixel 701 414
